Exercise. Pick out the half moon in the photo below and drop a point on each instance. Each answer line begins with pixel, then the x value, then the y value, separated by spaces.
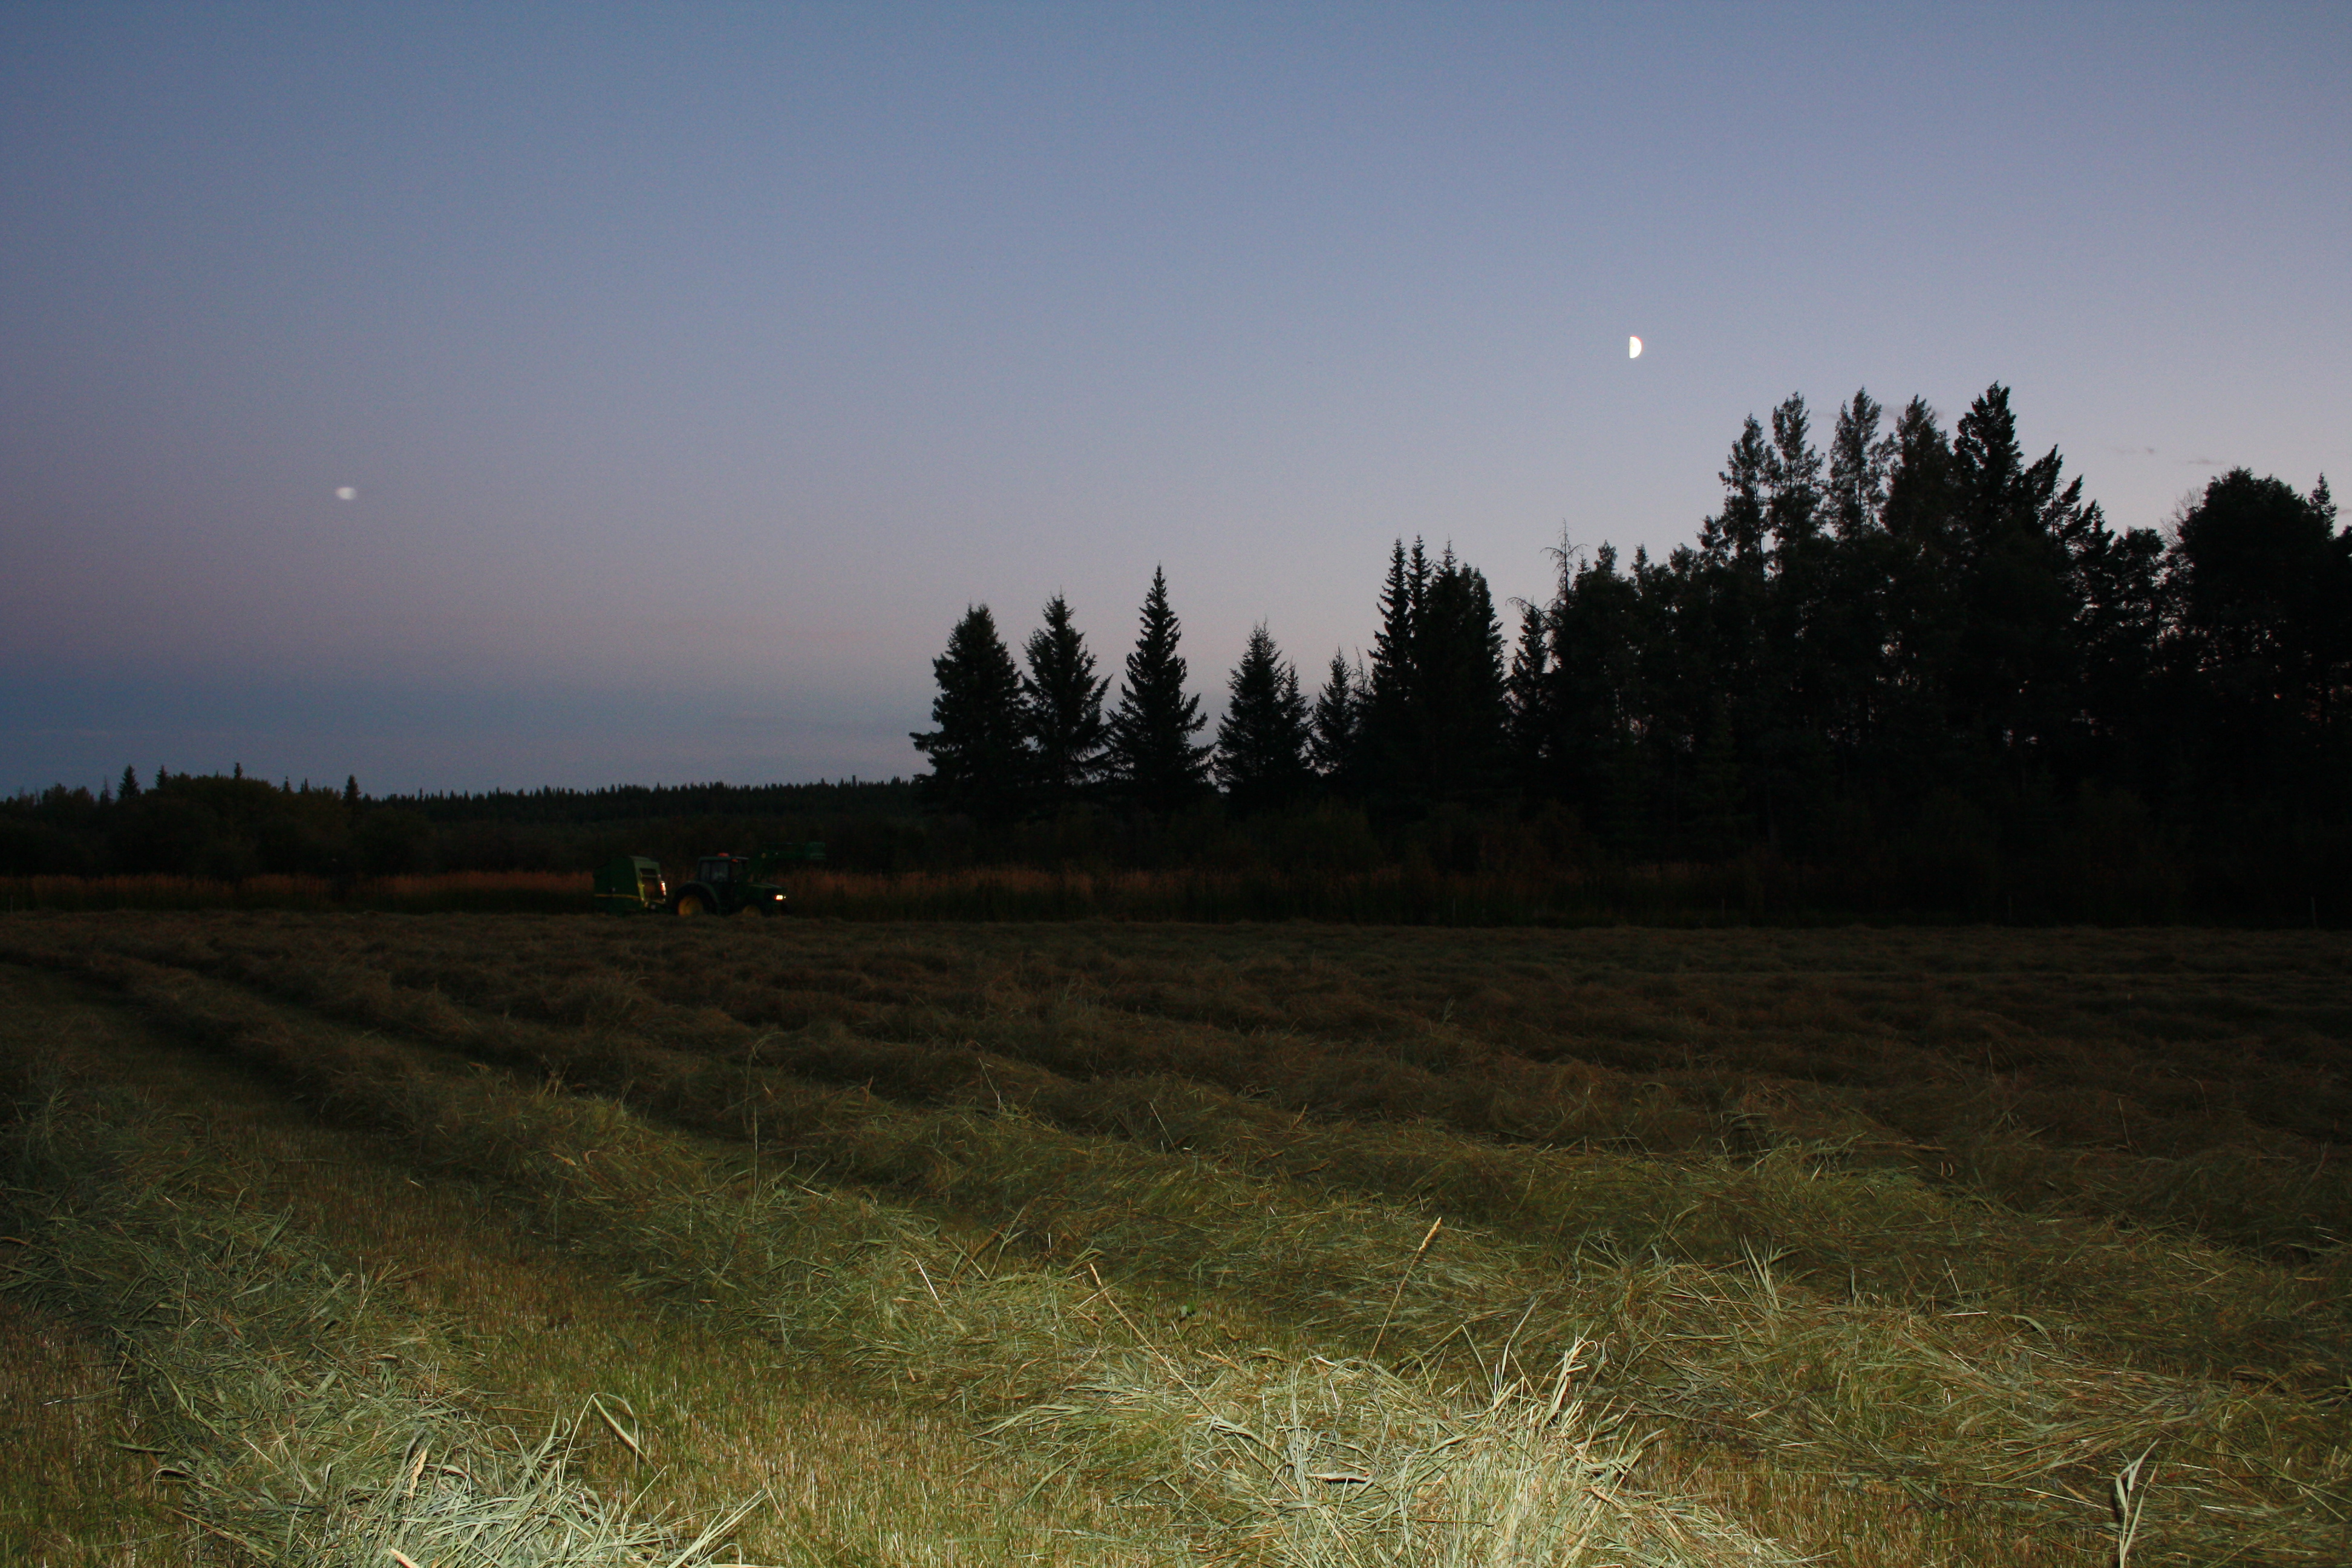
pixel 1632 348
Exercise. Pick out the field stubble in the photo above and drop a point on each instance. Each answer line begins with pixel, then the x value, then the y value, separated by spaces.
pixel 1786 1185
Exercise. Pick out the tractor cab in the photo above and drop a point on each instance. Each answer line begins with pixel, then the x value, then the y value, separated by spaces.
pixel 715 869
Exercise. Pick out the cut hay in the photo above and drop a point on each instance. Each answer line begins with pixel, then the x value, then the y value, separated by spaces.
pixel 1953 1399
pixel 306 1418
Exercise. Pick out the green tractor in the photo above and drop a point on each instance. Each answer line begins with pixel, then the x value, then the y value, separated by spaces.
pixel 729 884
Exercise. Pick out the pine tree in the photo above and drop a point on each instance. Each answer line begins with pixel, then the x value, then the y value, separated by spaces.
pixel 1151 754
pixel 980 758
pixel 1261 740
pixel 129 790
pixel 1061 704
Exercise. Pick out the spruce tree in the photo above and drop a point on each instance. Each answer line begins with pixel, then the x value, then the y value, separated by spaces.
pixel 1459 714
pixel 1261 740
pixel 1792 476
pixel 1152 758
pixel 129 790
pixel 1735 536
pixel 1061 704
pixel 1526 699
pixel 980 757
pixel 2011 669
pixel 1859 460
pixel 1391 749
pixel 1919 475
pixel 1337 742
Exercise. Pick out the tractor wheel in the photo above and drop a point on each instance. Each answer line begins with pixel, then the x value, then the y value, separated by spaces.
pixel 691 904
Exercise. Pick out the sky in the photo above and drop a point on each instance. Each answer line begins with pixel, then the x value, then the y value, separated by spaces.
pixel 690 369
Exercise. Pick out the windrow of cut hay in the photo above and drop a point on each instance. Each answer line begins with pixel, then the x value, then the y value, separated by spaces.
pixel 2192 1108
pixel 307 1418
pixel 1829 1209
pixel 1278 1455
pixel 1968 1407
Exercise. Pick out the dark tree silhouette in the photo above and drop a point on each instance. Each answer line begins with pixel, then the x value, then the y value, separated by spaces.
pixel 980 756
pixel 1061 703
pixel 1793 477
pixel 1390 748
pixel 1738 533
pixel 1335 745
pixel 1605 680
pixel 1458 686
pixel 1527 699
pixel 1921 655
pixel 1915 612
pixel 2262 582
pixel 1433 712
pixel 2265 589
pixel 1860 461
pixel 1152 757
pixel 1263 738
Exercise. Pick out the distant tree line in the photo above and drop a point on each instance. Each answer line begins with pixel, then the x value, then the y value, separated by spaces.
pixel 223 827
pixel 230 827
pixel 1916 672
pixel 1916 632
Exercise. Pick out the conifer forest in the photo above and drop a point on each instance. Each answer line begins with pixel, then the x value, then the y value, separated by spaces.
pixel 1907 670
pixel 1922 645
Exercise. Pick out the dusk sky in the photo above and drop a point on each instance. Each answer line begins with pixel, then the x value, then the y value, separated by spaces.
pixel 691 368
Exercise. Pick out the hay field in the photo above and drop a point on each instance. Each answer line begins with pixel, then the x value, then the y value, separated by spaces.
pixel 809 1242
